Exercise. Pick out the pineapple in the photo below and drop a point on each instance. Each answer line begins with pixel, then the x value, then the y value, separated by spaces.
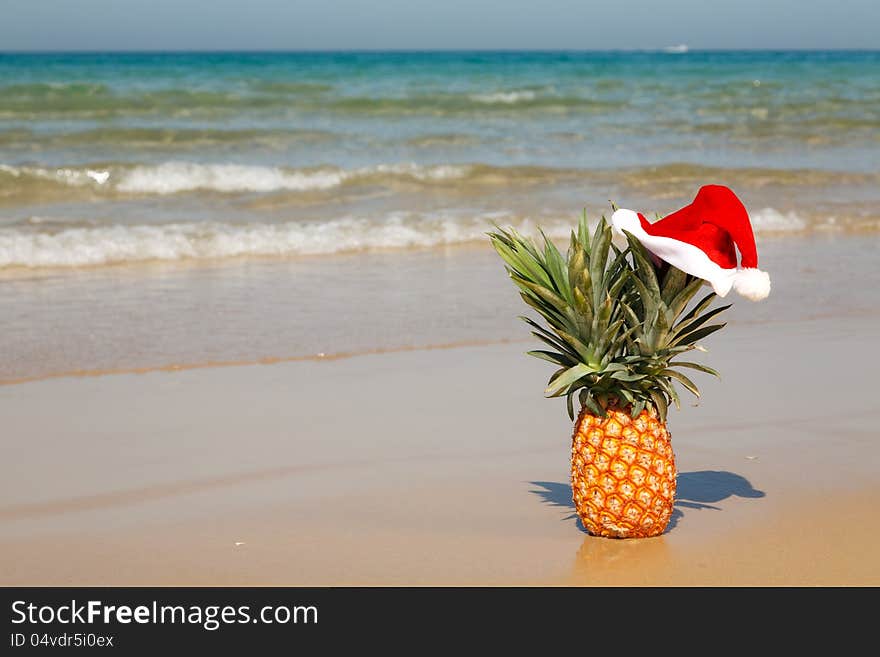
pixel 616 323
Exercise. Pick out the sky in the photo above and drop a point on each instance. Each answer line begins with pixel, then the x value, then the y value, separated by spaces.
pixel 436 24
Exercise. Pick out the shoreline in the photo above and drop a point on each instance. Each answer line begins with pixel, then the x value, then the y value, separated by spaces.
pixel 170 318
pixel 171 368
pixel 268 360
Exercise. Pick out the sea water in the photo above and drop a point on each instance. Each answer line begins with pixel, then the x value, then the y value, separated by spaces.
pixel 108 158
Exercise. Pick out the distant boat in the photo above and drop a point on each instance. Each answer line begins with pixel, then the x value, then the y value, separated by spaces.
pixel 676 50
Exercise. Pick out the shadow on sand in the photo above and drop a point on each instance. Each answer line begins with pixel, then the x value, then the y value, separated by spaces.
pixel 694 490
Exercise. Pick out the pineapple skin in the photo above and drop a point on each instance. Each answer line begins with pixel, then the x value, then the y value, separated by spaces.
pixel 622 474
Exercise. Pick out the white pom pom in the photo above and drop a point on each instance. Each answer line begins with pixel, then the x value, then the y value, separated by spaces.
pixel 753 284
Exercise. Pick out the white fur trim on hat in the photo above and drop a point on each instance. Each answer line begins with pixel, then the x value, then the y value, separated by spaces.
pixel 750 283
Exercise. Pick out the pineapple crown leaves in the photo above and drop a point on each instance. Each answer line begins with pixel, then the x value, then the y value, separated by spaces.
pixel 614 319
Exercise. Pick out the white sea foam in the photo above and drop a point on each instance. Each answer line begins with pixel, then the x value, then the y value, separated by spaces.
pixel 770 220
pixel 74 247
pixel 43 242
pixel 504 97
pixel 175 177
pixel 64 175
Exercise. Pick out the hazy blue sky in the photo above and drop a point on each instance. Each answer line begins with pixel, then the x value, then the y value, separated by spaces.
pixel 430 24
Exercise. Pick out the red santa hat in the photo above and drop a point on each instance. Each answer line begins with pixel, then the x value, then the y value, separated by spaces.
pixel 699 239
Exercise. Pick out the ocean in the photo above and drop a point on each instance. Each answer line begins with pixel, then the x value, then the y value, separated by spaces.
pixel 108 158
pixel 144 197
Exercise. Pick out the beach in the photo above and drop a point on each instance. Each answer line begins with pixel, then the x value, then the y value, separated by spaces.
pixel 444 466
pixel 254 332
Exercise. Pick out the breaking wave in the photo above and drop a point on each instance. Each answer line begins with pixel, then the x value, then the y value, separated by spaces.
pixel 504 97
pixel 42 243
pixel 175 177
pixel 39 243
pixel 181 177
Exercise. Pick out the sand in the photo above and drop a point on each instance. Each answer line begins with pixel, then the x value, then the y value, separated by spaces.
pixel 437 467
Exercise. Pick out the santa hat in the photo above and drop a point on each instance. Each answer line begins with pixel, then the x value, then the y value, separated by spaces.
pixel 699 239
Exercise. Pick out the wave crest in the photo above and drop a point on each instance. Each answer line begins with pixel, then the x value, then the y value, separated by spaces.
pixel 172 177
pixel 40 243
pixel 84 246
pixel 503 97
pixel 175 177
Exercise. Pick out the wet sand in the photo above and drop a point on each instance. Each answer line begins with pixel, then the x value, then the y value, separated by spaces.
pixel 191 314
pixel 436 467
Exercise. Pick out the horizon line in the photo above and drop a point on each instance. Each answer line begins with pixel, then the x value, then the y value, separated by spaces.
pixel 171 51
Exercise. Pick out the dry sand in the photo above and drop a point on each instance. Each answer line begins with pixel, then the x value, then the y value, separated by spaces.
pixel 436 467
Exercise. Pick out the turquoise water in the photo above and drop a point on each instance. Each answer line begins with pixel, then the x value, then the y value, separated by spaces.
pixel 108 158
